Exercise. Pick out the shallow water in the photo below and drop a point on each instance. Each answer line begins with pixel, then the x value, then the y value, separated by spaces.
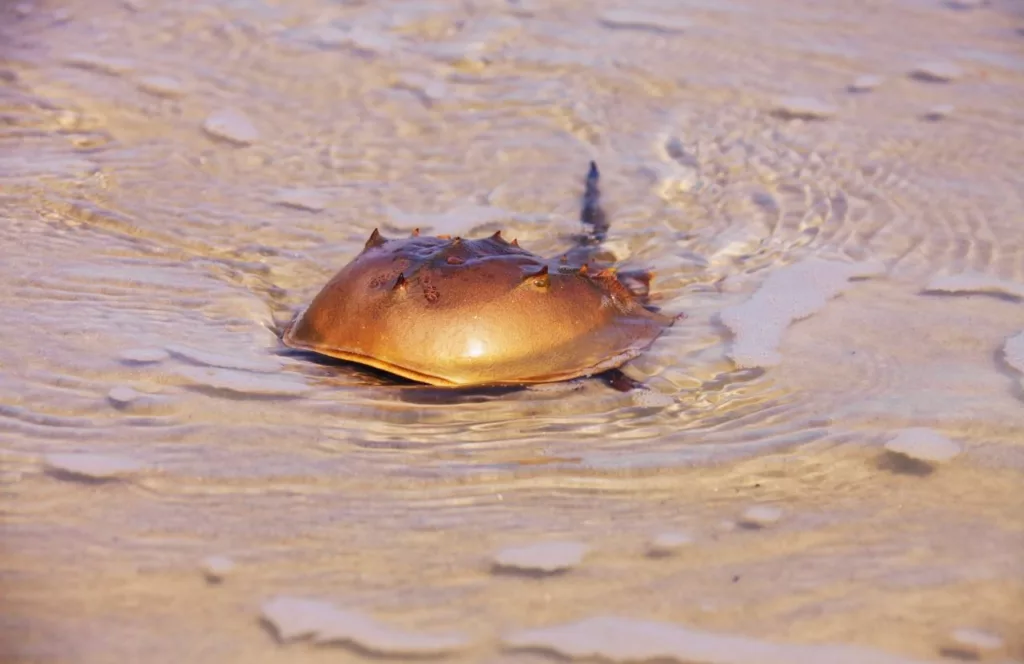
pixel 176 179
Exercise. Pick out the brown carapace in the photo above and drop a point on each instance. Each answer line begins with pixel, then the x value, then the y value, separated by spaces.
pixel 459 312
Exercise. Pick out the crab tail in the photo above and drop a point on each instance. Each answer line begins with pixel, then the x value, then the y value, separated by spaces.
pixel 591 213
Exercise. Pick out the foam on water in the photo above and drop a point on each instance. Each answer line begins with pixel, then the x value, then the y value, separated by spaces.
pixel 162 86
pixel 294 617
pixel 866 83
pixel 99 63
pixel 759 158
pixel 310 200
pixel 971 282
pixel 787 295
pixel 760 516
pixel 923 444
pixel 122 395
pixel 975 642
pixel 937 71
pixel 243 382
pixel 143 355
pixel 643 20
pixel 93 466
pixel 939 112
pixel 543 557
pixel 620 639
pixel 252 362
pixel 216 568
pixel 231 125
pixel 669 543
pixel 1013 351
pixel 804 108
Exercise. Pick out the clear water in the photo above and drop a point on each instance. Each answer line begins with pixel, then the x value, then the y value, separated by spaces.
pixel 138 250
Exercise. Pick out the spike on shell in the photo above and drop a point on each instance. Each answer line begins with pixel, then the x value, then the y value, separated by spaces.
pixel 514 242
pixel 584 270
pixel 400 282
pixel 376 240
pixel 540 278
pixel 497 236
pixel 415 232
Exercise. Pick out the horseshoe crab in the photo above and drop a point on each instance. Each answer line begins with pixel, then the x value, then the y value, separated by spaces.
pixel 459 312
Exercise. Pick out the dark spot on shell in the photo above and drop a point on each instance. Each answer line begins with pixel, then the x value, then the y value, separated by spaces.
pixel 454 260
pixel 386 278
pixel 430 293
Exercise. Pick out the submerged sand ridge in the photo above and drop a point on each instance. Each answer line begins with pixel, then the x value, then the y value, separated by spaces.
pixel 825 460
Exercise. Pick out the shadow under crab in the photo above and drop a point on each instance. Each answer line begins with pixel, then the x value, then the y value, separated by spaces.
pixel 457 312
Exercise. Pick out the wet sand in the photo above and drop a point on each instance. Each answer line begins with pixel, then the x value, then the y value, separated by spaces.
pixel 826 462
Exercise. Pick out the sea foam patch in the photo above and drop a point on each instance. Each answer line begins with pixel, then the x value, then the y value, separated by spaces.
pixel 787 295
pixel 294 618
pixel 619 639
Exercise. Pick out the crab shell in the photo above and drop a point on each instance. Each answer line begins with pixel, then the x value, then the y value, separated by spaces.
pixel 457 312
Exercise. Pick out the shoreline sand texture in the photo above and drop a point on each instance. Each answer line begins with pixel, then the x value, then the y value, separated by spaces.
pixel 178 178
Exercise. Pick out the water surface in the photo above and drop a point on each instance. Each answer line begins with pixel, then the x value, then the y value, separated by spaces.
pixel 176 179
